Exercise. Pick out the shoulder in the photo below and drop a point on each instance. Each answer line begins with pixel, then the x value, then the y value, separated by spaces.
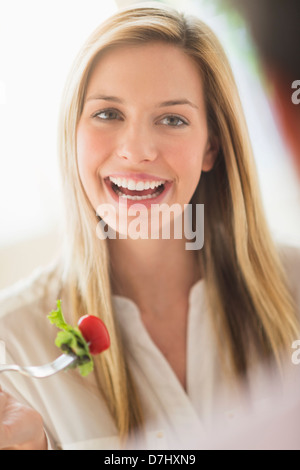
pixel 24 327
pixel 39 288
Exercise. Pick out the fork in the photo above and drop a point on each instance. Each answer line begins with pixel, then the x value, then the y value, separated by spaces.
pixel 40 372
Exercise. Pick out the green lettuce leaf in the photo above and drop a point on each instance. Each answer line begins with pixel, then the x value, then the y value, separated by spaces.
pixel 71 341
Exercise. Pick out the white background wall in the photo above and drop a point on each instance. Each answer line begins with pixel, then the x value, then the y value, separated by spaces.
pixel 38 41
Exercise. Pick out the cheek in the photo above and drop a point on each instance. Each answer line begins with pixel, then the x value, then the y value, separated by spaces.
pixel 87 150
pixel 92 150
pixel 186 160
pixel 187 164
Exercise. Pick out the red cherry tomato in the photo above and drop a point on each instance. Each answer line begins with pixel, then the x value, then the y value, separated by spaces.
pixel 95 333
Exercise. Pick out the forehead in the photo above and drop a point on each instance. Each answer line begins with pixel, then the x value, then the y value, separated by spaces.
pixel 156 68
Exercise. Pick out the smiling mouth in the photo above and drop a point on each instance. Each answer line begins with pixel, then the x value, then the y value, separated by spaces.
pixel 136 191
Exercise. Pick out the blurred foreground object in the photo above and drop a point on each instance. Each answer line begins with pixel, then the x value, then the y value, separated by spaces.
pixel 274 26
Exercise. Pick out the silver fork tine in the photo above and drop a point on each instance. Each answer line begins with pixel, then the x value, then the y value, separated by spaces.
pixel 39 372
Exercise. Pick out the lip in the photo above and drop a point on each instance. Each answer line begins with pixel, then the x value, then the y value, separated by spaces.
pixel 129 202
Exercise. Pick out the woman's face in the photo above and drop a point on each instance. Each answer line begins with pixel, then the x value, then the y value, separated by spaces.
pixel 142 137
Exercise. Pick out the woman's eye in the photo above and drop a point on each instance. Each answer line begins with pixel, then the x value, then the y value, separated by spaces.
pixel 108 115
pixel 173 121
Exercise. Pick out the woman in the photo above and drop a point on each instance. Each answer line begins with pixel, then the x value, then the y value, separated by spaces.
pixel 151 100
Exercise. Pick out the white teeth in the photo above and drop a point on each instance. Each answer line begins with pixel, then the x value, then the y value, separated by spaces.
pixel 139 186
pixel 135 185
pixel 137 198
pixel 130 184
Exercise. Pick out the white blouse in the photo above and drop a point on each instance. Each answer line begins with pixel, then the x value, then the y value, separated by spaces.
pixel 75 415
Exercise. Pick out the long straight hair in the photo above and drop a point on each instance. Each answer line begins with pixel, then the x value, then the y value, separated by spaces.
pixel 246 287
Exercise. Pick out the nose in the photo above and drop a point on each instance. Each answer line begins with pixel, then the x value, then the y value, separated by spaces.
pixel 137 144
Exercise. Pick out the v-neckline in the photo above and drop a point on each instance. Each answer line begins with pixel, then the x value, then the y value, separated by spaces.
pixel 148 356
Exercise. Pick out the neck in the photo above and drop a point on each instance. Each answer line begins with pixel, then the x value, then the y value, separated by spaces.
pixel 143 270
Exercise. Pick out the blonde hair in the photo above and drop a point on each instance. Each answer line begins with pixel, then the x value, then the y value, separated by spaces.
pixel 246 286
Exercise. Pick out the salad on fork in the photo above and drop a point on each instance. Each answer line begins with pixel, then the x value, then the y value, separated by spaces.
pixel 78 345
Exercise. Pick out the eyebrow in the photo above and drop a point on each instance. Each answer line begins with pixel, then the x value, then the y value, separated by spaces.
pixel 104 97
pixel 177 102
pixel 164 104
